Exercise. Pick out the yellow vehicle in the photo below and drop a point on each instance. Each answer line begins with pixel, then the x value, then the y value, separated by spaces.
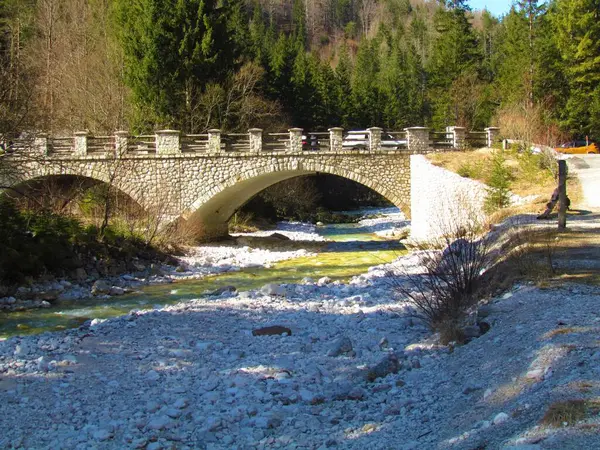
pixel 578 148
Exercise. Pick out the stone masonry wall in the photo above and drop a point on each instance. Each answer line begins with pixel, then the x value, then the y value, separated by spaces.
pixel 442 200
pixel 180 184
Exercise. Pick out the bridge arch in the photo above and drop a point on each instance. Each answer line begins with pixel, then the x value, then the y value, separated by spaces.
pixel 41 190
pixel 216 204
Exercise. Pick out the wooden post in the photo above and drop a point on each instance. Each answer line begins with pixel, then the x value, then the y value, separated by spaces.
pixel 562 194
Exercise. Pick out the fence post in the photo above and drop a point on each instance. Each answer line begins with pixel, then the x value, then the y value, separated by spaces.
pixel 80 143
pixel 562 194
pixel 459 137
pixel 121 142
pixel 295 139
pixel 336 136
pixel 167 142
pixel 417 138
pixel 492 135
pixel 40 144
pixel 374 139
pixel 255 135
pixel 214 140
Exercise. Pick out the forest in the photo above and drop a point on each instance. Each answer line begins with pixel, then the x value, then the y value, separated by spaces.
pixel 140 65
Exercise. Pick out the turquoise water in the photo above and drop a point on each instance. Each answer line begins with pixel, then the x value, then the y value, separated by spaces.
pixel 352 252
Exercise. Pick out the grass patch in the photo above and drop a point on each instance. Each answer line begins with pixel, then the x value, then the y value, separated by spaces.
pixel 569 412
pixel 565 330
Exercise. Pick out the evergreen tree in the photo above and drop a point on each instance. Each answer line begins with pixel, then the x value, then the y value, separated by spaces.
pixel 577 24
pixel 366 105
pixel 512 77
pixel 343 74
pixel 455 53
pixel 173 48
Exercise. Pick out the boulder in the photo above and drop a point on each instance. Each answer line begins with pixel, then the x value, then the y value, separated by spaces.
pixel 275 330
pixel 222 290
pixel 273 289
pixel 388 365
pixel 100 287
pixel 340 347
pixel 116 290
pixel 324 281
pixel 280 237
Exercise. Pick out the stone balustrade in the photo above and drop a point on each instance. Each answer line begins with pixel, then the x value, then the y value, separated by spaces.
pixel 170 142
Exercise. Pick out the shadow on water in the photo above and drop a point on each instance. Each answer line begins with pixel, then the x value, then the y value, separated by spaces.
pixel 348 254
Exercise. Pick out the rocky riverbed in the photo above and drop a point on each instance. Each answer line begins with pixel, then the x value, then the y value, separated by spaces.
pixel 315 365
pixel 355 371
pixel 242 252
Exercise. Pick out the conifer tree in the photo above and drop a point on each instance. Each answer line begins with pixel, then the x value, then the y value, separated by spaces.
pixel 173 48
pixel 455 52
pixel 577 24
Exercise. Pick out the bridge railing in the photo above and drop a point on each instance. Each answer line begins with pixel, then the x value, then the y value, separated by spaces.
pixel 60 145
pixel 442 139
pixel 391 140
pixel 194 143
pixel 276 142
pixel 172 142
pixel 318 141
pixel 100 145
pixel 477 139
pixel 143 144
pixel 235 142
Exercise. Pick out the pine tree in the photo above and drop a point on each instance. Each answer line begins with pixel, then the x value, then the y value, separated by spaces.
pixel 455 53
pixel 577 24
pixel 172 50
pixel 343 74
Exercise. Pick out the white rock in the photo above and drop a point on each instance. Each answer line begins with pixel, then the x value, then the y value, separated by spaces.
pixel 273 290
pixel 500 418
pixel 159 423
pixel 102 435
pixel 152 375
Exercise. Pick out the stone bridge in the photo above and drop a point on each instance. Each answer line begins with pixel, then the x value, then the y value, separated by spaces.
pixel 204 179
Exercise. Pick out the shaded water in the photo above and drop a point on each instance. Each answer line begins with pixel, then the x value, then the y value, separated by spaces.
pixel 352 252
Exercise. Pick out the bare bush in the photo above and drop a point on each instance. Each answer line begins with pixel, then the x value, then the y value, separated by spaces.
pixel 449 282
pixel 529 124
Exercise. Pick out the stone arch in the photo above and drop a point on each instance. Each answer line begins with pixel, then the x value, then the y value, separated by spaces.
pixel 218 202
pixel 25 171
pixel 20 187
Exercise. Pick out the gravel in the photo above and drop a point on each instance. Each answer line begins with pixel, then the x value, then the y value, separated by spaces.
pixel 356 372
pixel 192 375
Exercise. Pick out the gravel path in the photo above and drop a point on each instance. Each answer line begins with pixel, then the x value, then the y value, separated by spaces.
pixel 587 168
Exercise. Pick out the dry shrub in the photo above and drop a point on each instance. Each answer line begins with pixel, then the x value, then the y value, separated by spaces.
pixel 565 412
pixel 450 331
pixel 453 265
pixel 529 124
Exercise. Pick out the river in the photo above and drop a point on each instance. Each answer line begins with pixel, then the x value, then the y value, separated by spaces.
pixel 350 250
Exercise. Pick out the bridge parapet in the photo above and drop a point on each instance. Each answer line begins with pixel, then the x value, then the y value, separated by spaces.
pixel 173 143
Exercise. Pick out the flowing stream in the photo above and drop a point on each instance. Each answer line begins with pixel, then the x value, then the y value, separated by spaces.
pixel 351 251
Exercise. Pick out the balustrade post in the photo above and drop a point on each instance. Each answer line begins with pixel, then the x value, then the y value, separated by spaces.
pixel 417 139
pixel 255 139
pixel 40 145
pixel 121 143
pixel 168 142
pixel 374 139
pixel 80 143
pixel 214 140
pixel 295 139
pixel 459 137
pixel 336 137
pixel 492 135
